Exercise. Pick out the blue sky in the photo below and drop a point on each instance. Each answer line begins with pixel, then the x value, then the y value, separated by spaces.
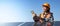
pixel 20 10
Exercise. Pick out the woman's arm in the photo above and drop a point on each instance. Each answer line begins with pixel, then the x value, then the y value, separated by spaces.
pixel 35 17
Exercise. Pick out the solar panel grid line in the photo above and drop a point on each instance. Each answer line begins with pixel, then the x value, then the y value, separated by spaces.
pixel 21 24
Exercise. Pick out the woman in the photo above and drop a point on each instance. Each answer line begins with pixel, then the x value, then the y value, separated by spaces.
pixel 45 18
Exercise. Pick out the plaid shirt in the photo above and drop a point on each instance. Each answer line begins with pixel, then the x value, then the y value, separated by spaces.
pixel 51 20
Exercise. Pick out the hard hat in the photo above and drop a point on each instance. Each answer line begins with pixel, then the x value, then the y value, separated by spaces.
pixel 46 4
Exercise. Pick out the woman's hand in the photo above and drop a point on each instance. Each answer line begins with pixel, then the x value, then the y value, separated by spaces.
pixel 33 14
pixel 49 24
pixel 41 21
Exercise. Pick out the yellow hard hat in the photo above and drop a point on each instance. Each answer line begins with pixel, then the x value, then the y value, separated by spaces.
pixel 46 4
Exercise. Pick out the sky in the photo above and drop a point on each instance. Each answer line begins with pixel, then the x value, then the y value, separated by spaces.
pixel 20 10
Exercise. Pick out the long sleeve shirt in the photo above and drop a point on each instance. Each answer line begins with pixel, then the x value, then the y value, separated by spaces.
pixel 46 20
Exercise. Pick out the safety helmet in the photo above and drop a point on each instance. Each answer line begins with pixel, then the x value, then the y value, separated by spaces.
pixel 46 4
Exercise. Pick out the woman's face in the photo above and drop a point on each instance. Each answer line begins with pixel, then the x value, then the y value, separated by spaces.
pixel 45 8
